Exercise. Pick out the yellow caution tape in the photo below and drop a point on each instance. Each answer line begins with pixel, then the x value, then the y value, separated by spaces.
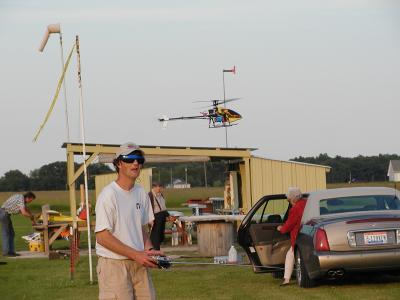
pixel 56 95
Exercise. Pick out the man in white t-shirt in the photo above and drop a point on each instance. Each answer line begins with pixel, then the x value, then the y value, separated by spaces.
pixel 123 212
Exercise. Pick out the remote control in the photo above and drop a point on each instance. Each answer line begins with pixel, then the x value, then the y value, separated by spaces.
pixel 163 262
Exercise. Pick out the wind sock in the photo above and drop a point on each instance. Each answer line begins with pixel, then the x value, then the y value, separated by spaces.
pixel 231 70
pixel 52 28
pixel 60 81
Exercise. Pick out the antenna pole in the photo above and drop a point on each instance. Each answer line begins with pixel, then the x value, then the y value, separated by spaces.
pixel 226 128
pixel 64 89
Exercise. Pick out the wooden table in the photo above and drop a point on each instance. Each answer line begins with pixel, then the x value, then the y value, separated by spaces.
pixel 52 230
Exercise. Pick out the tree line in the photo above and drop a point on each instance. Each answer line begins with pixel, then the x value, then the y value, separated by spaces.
pixel 50 177
pixel 53 176
pixel 353 169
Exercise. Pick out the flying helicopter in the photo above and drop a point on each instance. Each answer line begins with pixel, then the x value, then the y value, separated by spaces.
pixel 217 115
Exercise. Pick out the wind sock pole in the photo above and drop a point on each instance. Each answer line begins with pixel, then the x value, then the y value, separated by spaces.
pixel 84 157
pixel 223 84
pixel 64 90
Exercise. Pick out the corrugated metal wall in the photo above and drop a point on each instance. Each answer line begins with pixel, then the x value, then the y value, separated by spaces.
pixel 274 177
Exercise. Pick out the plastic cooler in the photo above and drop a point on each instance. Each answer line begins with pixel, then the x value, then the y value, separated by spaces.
pixel 36 246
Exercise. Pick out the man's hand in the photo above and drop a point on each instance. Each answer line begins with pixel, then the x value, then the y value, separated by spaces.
pixel 279 228
pixel 143 258
pixel 32 218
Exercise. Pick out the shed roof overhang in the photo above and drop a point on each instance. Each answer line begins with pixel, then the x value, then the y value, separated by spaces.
pixel 166 154
pixel 155 153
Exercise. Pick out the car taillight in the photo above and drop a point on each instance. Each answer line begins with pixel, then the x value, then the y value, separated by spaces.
pixel 321 241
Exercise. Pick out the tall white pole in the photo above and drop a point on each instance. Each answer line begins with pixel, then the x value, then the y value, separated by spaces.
pixel 64 90
pixel 226 128
pixel 81 116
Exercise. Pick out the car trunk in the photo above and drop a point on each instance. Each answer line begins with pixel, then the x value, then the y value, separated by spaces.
pixel 354 232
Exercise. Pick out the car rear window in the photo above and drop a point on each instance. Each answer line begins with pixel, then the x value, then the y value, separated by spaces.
pixel 358 203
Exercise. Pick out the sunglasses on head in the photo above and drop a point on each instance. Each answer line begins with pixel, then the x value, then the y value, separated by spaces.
pixel 131 158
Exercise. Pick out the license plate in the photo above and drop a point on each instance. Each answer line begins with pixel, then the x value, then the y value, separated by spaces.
pixel 375 238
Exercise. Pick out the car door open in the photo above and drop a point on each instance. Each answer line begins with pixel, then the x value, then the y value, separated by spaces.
pixel 258 235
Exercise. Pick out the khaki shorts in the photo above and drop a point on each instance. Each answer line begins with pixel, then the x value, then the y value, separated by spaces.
pixel 123 279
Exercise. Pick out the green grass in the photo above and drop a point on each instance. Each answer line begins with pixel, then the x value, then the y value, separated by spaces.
pixel 44 279
pixel 22 226
pixel 59 200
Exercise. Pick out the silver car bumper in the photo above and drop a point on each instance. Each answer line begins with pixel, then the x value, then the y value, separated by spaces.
pixel 362 261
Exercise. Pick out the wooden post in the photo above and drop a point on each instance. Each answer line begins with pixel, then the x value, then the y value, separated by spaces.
pixel 45 216
pixel 71 185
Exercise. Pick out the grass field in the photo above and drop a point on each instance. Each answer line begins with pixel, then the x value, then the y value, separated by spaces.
pixel 44 279
pixel 59 200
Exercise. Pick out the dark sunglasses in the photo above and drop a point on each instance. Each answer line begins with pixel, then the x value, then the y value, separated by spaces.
pixel 131 158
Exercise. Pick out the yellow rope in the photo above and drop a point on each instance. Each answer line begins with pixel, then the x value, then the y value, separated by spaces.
pixel 60 81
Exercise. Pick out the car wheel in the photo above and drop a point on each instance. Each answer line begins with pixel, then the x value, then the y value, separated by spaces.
pixel 277 274
pixel 303 280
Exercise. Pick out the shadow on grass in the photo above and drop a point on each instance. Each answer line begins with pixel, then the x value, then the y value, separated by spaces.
pixel 362 278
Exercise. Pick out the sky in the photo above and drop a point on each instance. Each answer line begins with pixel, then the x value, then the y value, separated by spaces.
pixel 313 76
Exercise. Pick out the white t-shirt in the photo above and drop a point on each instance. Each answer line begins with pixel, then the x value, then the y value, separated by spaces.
pixel 123 213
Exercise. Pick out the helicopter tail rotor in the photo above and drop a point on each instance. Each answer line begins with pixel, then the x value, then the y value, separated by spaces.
pixel 164 120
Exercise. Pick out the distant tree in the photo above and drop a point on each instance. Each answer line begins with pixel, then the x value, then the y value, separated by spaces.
pixel 53 176
pixel 14 181
pixel 216 172
pixel 50 177
pixel 359 168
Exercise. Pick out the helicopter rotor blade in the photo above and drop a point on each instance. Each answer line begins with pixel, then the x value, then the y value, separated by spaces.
pixel 206 101
pixel 219 101
pixel 216 102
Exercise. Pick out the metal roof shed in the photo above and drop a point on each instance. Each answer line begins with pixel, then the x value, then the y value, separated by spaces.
pixel 258 176
pixel 271 176
pixel 153 154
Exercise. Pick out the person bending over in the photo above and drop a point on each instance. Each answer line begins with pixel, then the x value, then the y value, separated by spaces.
pixel 292 225
pixel 16 204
